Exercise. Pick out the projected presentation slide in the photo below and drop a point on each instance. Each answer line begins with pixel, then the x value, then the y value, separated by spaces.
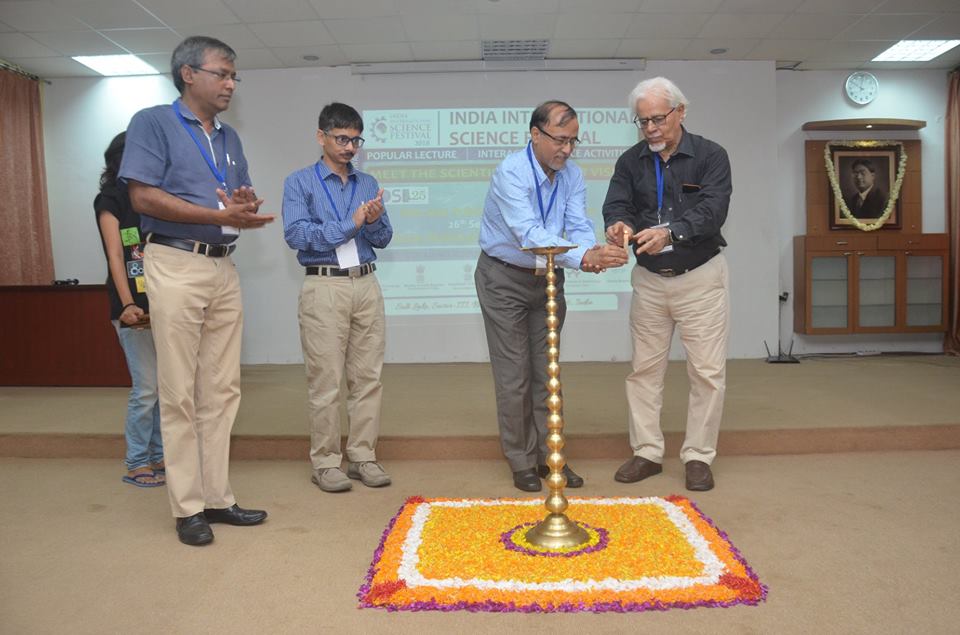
pixel 434 167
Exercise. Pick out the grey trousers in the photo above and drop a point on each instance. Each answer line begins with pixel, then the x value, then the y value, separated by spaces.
pixel 513 304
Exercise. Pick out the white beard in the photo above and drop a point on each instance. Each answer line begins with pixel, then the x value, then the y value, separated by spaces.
pixel 660 147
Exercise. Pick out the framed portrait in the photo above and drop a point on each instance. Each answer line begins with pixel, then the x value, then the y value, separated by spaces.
pixel 865 177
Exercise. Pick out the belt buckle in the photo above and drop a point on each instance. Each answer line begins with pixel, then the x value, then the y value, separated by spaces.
pixel 667 273
pixel 355 272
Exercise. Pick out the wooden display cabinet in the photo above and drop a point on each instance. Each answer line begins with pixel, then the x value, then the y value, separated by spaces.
pixel 870 283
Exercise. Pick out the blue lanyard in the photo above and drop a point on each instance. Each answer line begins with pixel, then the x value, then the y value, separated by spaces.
pixel 656 163
pixel 217 174
pixel 353 191
pixel 536 186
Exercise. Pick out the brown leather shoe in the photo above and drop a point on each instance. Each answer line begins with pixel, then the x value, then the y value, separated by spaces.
pixel 637 469
pixel 699 476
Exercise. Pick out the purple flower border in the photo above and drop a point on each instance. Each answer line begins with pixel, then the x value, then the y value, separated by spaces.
pixel 566 607
pixel 603 534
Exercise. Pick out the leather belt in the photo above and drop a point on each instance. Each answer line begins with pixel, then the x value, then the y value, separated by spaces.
pixel 351 272
pixel 510 265
pixel 197 247
pixel 671 273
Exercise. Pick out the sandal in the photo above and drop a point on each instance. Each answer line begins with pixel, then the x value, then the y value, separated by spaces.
pixel 140 479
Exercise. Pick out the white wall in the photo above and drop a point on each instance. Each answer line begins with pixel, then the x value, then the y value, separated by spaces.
pixel 818 95
pixel 275 111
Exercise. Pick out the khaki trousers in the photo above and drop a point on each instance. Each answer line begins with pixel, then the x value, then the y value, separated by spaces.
pixel 196 316
pixel 698 304
pixel 342 331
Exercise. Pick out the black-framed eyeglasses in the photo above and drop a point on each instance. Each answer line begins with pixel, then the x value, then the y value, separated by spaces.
pixel 342 139
pixel 656 120
pixel 219 74
pixel 561 141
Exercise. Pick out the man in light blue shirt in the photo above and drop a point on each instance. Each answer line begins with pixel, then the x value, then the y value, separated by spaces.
pixel 333 215
pixel 536 198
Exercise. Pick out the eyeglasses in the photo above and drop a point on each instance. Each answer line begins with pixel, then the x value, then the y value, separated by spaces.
pixel 220 75
pixel 561 141
pixel 656 120
pixel 343 140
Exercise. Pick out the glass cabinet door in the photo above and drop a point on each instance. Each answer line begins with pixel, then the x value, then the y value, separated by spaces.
pixel 829 298
pixel 924 290
pixel 877 305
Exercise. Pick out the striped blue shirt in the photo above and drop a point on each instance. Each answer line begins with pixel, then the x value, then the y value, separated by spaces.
pixel 315 229
pixel 511 213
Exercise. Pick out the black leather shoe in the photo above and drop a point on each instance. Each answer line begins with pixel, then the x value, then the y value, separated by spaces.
pixel 527 480
pixel 235 515
pixel 574 480
pixel 636 469
pixel 194 530
pixel 699 476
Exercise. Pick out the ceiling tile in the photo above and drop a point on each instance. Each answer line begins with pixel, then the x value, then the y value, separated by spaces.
pixel 330 55
pixel 662 49
pixel 48 67
pixel 71 43
pixel 582 49
pixel 885 27
pixel 435 7
pixel 680 6
pixel 517 27
pixel 273 11
pixel 747 25
pixel 370 30
pixel 236 36
pixel 833 6
pixel 511 7
pixel 736 48
pixel 111 14
pixel 250 59
pixel 328 9
pixel 812 26
pixel 37 16
pixel 857 50
pixel 288 34
pixel 759 6
pixel 395 52
pixel 160 61
pixel 918 6
pixel 19 45
pixel 587 26
pixel 442 51
pixel 781 49
pixel 190 13
pixel 421 28
pixel 144 40
pixel 667 25
pixel 600 6
pixel 946 27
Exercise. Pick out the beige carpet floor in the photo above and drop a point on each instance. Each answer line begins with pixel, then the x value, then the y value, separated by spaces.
pixel 848 543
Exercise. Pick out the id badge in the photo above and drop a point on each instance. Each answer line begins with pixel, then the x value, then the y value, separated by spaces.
pixel 227 230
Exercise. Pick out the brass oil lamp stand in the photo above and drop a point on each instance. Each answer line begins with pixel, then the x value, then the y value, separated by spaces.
pixel 556 531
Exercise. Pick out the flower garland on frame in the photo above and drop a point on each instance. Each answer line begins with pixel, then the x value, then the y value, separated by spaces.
pixel 894 189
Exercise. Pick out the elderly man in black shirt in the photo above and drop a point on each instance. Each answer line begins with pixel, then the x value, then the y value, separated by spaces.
pixel 669 197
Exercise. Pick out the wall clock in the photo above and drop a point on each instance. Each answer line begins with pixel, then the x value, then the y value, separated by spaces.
pixel 861 87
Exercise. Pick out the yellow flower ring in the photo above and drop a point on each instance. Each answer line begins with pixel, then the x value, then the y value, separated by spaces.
pixel 471 554
pixel 894 190
pixel 515 539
